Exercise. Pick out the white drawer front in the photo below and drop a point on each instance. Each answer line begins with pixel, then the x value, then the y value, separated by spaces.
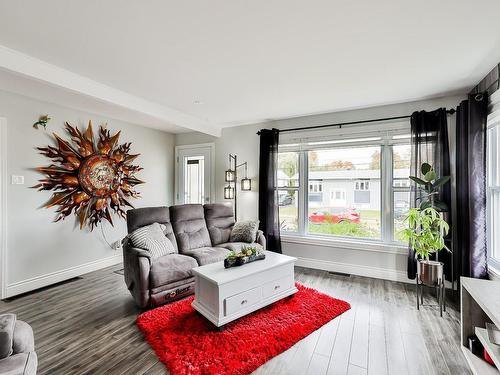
pixel 243 300
pixel 277 286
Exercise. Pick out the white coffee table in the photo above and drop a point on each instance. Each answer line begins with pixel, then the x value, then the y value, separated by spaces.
pixel 223 295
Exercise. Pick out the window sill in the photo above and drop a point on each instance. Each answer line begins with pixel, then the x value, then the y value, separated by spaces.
pixel 347 244
pixel 493 269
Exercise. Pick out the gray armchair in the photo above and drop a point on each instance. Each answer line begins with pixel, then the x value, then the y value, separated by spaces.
pixel 199 234
pixel 151 281
pixel 17 347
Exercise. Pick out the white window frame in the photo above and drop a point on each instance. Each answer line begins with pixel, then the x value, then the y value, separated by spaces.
pixel 386 136
pixel 493 182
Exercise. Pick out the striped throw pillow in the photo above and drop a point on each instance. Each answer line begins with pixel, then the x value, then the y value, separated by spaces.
pixel 152 238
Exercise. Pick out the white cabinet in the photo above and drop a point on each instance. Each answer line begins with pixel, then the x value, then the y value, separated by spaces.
pixel 223 295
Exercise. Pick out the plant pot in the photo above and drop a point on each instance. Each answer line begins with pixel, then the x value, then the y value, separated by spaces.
pixel 430 272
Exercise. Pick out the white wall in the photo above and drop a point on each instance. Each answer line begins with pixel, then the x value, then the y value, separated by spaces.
pixel 40 252
pixel 383 262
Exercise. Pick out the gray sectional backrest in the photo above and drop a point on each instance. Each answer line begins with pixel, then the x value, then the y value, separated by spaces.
pixel 220 221
pixel 188 222
pixel 141 217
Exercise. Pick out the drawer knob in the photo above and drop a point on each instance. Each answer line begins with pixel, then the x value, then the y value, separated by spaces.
pixel 276 287
pixel 244 301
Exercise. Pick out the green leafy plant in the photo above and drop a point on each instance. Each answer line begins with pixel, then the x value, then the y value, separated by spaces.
pixel 425 232
pixel 430 185
pixel 245 251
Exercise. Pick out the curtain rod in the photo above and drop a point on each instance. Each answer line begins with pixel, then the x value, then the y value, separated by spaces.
pixel 339 124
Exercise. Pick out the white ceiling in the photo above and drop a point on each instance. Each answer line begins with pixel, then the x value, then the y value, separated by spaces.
pixel 248 61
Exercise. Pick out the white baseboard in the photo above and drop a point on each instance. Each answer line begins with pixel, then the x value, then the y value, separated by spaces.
pixel 58 276
pixel 354 269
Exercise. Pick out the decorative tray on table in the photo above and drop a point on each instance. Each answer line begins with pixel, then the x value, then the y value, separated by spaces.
pixel 246 255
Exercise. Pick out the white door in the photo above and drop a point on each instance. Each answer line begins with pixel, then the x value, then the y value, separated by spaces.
pixel 194 177
pixel 337 198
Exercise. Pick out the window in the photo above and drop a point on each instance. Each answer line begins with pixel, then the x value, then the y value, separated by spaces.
pixel 315 186
pixel 354 188
pixel 493 192
pixel 288 190
pixel 401 158
pixel 363 185
pixel 348 210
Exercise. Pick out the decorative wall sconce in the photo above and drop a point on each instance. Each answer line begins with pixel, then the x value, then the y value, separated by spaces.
pixel 228 192
pixel 231 177
pixel 246 184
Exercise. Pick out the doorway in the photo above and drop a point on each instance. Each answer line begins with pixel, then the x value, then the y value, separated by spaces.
pixel 194 174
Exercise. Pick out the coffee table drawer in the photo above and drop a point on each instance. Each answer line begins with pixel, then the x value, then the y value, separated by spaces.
pixel 243 300
pixel 277 286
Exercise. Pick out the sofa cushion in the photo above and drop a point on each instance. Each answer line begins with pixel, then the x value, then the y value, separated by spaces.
pixel 7 324
pixel 220 221
pixel 207 255
pixel 170 268
pixel 19 364
pixel 152 238
pixel 188 222
pixel 237 246
pixel 141 217
pixel 244 231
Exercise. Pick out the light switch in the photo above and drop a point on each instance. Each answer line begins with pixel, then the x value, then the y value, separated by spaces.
pixel 17 180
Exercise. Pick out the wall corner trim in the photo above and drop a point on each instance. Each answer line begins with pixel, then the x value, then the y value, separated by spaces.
pixel 354 269
pixel 61 275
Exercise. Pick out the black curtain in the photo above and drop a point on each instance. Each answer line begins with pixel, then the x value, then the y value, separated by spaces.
pixel 268 194
pixel 470 239
pixel 429 143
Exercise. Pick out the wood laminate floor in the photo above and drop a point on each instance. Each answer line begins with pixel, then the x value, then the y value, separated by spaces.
pixel 87 326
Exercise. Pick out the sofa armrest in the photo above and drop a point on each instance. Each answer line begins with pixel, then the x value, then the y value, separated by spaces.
pixel 136 266
pixel 23 338
pixel 261 239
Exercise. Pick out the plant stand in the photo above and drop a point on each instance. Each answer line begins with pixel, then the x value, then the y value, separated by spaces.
pixel 440 294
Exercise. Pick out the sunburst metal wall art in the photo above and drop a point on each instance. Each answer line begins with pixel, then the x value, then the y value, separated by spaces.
pixel 89 177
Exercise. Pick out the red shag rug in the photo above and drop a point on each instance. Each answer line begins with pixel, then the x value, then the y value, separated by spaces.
pixel 187 343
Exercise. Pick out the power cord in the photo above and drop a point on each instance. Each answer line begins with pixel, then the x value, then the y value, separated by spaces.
pixel 104 236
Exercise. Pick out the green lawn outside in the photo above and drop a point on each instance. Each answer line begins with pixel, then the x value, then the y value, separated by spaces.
pixel 368 228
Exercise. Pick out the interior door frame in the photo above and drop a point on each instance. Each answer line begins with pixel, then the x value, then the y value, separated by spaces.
pixel 3 208
pixel 212 168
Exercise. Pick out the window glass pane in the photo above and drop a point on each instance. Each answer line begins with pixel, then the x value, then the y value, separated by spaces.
pixel 288 169
pixel 348 203
pixel 495 224
pixel 401 207
pixel 401 157
pixel 288 210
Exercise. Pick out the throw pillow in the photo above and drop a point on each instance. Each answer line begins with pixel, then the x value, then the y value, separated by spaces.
pixel 152 238
pixel 244 231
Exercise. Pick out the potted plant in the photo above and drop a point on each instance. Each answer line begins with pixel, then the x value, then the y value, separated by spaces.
pixel 427 227
pixel 425 234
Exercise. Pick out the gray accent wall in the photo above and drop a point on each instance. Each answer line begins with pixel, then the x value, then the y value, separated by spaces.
pixel 41 252
pixel 376 261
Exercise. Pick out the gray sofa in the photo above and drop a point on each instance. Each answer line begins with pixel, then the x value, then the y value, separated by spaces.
pixel 17 347
pixel 200 235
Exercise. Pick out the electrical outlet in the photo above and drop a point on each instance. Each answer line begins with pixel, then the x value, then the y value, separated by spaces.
pixel 17 180
pixel 116 245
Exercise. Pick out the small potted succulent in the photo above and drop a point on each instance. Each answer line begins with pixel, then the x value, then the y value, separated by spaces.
pixel 247 254
pixel 427 227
